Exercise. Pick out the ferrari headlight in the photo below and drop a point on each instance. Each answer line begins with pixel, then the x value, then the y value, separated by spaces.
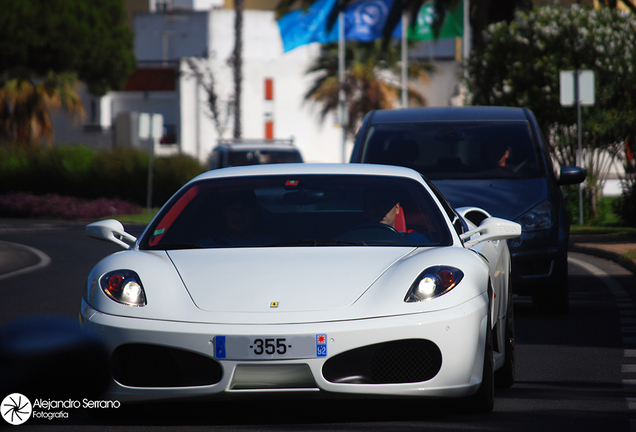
pixel 538 218
pixel 124 286
pixel 433 282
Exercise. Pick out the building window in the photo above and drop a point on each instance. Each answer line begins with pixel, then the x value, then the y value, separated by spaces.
pixel 160 5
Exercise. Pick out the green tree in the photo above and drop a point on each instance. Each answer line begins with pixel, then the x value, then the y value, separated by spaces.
pixel 46 46
pixel 520 65
pixel 89 38
pixel 369 82
pixel 26 103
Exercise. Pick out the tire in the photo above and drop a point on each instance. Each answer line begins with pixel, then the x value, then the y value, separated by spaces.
pixel 484 400
pixel 555 298
pixel 505 376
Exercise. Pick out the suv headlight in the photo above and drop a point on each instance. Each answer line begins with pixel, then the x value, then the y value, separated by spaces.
pixel 433 282
pixel 538 218
pixel 123 286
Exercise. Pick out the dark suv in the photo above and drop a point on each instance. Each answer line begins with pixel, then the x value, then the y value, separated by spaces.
pixel 253 152
pixel 494 158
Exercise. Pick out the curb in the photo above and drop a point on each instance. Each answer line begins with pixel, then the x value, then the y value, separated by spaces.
pixel 619 259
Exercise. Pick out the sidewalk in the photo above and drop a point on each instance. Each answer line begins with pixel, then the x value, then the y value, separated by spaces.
pixel 609 247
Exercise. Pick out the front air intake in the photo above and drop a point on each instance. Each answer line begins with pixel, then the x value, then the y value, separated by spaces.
pixel 145 365
pixel 403 361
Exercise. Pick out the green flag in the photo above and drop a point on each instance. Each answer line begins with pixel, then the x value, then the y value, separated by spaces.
pixel 453 25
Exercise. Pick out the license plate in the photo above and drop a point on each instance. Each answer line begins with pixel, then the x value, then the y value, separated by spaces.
pixel 270 347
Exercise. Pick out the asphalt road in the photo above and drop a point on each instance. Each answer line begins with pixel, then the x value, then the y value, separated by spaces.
pixel 575 372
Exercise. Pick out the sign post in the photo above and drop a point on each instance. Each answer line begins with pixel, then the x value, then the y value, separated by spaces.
pixel 577 87
pixel 151 129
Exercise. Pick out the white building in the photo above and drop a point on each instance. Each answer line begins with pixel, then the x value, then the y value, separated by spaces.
pixel 163 84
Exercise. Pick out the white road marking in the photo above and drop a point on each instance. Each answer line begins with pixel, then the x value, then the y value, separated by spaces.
pixel 627 311
pixel 602 275
pixel 45 260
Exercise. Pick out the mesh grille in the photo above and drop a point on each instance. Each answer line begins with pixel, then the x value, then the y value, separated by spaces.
pixel 403 361
pixel 401 364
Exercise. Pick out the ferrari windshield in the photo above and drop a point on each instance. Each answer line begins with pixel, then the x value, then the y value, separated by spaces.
pixel 456 150
pixel 299 210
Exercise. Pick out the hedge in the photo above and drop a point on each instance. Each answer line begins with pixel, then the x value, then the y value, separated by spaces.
pixel 82 172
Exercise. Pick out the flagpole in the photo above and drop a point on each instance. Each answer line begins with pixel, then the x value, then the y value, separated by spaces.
pixel 405 74
pixel 466 41
pixel 341 79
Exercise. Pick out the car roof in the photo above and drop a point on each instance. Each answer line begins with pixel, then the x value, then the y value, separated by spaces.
pixel 471 113
pixel 311 168
pixel 260 147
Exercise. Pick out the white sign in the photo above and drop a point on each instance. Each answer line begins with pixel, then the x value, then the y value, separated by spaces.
pixel 150 125
pixel 586 87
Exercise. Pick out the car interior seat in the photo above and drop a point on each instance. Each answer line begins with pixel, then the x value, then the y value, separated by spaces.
pixel 400 220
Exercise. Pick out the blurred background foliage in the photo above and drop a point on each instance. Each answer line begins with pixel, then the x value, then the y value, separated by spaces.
pixel 82 172
pixel 519 65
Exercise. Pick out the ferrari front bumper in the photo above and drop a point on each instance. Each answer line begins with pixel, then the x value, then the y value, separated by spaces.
pixel 159 360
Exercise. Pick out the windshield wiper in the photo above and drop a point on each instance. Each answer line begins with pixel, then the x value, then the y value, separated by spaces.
pixel 317 243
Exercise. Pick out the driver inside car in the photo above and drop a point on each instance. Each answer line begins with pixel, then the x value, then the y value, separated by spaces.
pixel 379 206
pixel 382 206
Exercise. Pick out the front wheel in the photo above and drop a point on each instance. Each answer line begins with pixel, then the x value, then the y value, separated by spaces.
pixel 484 400
pixel 555 298
pixel 505 376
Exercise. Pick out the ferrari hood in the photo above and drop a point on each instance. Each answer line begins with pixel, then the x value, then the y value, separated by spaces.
pixel 291 279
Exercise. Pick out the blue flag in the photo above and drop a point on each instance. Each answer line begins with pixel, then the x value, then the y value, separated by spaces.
pixel 299 28
pixel 364 21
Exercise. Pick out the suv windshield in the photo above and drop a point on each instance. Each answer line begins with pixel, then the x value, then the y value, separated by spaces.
pixel 455 150
pixel 299 210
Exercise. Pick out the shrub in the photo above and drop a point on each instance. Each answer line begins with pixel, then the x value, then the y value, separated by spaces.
pixel 170 173
pixel 625 206
pixel 64 170
pixel 82 172
pixel 121 173
pixel 19 205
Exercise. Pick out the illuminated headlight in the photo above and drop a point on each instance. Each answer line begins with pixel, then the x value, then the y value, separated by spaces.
pixel 124 286
pixel 538 218
pixel 433 282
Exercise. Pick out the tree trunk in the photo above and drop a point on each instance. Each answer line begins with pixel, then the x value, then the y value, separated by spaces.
pixel 239 6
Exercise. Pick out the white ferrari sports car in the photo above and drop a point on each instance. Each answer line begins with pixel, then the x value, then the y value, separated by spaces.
pixel 310 279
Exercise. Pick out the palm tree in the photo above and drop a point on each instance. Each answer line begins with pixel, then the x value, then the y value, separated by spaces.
pixel 370 81
pixel 26 103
